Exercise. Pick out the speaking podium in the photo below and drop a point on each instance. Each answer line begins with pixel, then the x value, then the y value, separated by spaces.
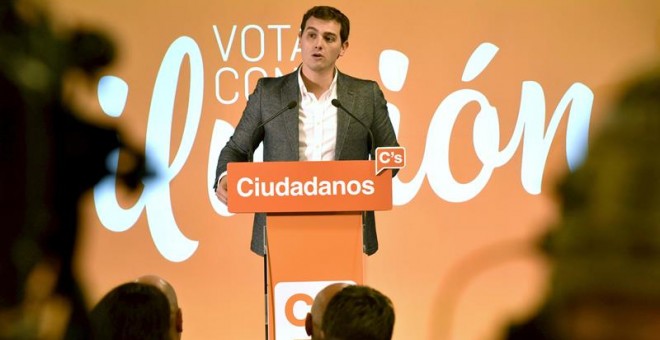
pixel 314 227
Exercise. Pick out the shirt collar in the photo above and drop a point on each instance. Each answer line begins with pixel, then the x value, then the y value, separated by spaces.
pixel 303 88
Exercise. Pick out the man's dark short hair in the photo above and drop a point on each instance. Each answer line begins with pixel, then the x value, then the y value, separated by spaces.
pixel 328 13
pixel 358 312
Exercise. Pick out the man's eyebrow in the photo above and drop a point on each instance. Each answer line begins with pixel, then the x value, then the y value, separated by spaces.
pixel 312 28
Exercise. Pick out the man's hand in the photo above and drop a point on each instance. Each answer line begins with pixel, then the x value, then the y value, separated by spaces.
pixel 221 190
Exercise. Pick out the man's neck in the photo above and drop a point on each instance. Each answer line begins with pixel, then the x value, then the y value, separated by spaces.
pixel 317 82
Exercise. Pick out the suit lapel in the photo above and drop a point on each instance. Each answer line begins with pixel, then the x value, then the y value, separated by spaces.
pixel 346 97
pixel 291 92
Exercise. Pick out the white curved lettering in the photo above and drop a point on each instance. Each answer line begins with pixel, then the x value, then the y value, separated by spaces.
pixel 530 130
pixel 155 198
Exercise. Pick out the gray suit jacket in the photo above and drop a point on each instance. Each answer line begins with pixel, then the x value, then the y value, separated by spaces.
pixel 363 98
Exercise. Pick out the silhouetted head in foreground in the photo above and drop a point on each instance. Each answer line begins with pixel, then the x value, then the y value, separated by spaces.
pixel 314 318
pixel 176 314
pixel 605 250
pixel 132 311
pixel 358 312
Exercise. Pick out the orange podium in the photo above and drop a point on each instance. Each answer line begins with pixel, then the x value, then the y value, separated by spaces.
pixel 314 227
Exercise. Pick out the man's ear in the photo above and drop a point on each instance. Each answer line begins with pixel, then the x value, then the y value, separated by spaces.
pixel 342 50
pixel 308 324
pixel 179 321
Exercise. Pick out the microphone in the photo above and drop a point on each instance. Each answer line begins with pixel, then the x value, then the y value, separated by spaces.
pixel 336 103
pixel 289 106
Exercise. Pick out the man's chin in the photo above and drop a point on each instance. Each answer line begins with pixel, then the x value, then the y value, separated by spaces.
pixel 319 67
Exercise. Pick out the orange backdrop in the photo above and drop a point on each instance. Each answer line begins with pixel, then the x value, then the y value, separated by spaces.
pixel 455 270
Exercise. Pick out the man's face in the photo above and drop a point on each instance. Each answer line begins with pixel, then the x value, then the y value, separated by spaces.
pixel 321 44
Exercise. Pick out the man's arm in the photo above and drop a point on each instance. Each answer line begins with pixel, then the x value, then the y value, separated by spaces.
pixel 239 144
pixel 381 126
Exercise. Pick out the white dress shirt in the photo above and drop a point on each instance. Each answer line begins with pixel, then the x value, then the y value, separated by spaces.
pixel 317 123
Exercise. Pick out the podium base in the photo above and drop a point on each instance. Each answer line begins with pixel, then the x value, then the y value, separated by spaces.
pixel 306 252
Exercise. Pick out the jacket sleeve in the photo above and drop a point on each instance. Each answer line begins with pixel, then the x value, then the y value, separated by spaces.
pixel 245 137
pixel 381 126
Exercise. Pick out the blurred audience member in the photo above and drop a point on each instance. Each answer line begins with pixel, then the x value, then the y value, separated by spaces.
pixel 49 157
pixel 314 318
pixel 132 311
pixel 605 251
pixel 176 315
pixel 358 313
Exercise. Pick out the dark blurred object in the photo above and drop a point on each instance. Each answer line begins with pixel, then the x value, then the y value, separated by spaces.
pixel 606 249
pixel 48 158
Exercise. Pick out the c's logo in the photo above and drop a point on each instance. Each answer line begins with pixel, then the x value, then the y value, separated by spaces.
pixel 391 157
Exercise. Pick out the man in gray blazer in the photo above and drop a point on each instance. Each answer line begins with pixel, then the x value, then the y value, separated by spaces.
pixel 313 129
